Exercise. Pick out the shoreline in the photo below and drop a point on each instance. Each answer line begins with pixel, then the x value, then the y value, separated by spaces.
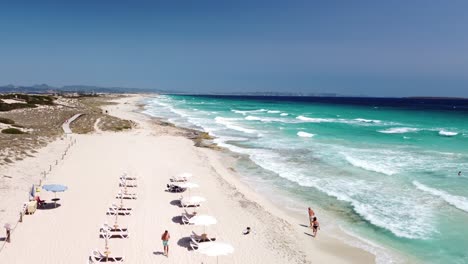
pixel 297 214
pixel 220 154
pixel 153 154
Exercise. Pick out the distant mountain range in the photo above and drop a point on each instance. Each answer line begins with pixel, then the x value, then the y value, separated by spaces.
pixel 44 88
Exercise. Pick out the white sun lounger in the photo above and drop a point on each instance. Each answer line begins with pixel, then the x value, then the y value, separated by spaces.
pixel 126 177
pixel 178 179
pixel 125 183
pixel 121 195
pixel 97 256
pixel 121 209
pixel 111 234
pixel 195 238
pixel 114 211
pixel 107 227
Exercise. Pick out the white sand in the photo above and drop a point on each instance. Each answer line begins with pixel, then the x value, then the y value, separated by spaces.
pixel 68 233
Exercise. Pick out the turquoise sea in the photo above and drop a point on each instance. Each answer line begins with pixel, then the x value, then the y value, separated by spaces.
pixel 386 169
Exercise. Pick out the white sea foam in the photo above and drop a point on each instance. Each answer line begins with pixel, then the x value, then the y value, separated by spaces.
pixel 459 202
pixel 267 119
pixel 245 112
pixel 356 121
pixel 367 120
pixel 229 124
pixel 447 133
pixel 273 111
pixel 314 120
pixel 402 214
pixel 399 130
pixel 305 134
pixel 379 167
pixel 284 114
pixel 252 118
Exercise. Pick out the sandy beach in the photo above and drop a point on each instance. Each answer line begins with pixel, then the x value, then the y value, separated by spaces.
pixel 152 153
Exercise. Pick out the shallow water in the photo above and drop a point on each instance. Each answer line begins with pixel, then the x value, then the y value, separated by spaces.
pixel 387 168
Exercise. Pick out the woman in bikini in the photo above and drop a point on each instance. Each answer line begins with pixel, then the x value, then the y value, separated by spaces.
pixel 315 226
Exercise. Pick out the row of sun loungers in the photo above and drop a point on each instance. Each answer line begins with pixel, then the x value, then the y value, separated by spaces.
pixel 107 231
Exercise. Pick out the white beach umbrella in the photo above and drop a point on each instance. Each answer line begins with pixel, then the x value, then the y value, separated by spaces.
pixel 203 220
pixel 215 249
pixel 188 185
pixel 184 175
pixel 194 199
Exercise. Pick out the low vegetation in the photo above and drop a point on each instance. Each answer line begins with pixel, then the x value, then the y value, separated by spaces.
pixel 6 121
pixel 12 131
pixel 28 101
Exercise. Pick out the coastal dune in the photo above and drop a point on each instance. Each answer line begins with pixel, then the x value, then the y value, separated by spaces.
pixel 91 170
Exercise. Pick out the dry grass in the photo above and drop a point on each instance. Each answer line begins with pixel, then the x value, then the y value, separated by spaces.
pixel 44 124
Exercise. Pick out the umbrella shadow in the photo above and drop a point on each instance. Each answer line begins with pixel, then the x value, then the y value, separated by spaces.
pixel 176 203
pixel 184 242
pixel 49 206
pixel 177 219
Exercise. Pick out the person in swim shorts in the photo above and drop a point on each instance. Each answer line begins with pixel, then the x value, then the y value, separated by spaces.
pixel 165 240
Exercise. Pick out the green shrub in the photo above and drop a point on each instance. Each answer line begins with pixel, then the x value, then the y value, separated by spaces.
pixel 12 131
pixel 6 121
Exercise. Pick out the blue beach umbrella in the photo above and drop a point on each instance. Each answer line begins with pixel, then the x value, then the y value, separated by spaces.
pixel 55 188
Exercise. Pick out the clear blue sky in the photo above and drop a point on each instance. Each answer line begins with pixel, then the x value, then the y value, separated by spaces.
pixel 381 48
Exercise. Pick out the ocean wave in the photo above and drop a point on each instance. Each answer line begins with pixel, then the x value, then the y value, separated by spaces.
pixel 370 166
pixel 284 114
pixel 399 130
pixel 459 202
pixel 356 121
pixel 273 111
pixel 245 112
pixel 447 133
pixel 402 215
pixel 253 118
pixel 314 120
pixel 305 134
pixel 367 120
pixel 267 119
pixel 228 123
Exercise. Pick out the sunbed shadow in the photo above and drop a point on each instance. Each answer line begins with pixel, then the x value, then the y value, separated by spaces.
pixel 113 236
pixel 177 219
pixel 176 202
pixel 158 253
pixel 309 234
pixel 49 206
pixel 128 186
pixel 104 260
pixel 184 242
pixel 126 198
pixel 2 238
pixel 119 213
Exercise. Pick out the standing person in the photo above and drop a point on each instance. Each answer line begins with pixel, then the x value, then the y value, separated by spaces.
pixel 165 240
pixel 311 215
pixel 459 173
pixel 315 226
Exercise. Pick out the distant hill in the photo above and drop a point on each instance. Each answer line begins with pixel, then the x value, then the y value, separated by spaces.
pixel 44 88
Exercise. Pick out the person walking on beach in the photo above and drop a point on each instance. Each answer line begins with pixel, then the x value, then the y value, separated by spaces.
pixel 165 240
pixel 311 215
pixel 315 226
